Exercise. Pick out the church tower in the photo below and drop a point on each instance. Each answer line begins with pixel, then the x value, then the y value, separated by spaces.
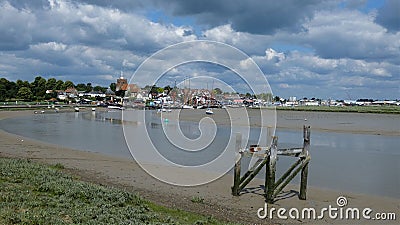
pixel 122 84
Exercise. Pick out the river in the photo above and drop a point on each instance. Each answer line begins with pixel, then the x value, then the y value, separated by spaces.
pixel 342 160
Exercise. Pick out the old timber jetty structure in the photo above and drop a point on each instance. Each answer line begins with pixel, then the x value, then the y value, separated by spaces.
pixel 267 156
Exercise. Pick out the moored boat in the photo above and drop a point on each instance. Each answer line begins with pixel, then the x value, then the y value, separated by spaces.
pixel 209 111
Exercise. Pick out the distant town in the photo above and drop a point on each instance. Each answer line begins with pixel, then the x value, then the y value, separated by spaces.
pixel 123 94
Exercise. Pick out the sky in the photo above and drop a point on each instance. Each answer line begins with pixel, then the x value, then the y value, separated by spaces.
pixel 312 48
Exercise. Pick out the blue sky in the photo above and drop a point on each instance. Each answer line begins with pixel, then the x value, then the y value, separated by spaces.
pixel 312 48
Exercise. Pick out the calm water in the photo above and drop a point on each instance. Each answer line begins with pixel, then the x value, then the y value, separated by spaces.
pixel 345 162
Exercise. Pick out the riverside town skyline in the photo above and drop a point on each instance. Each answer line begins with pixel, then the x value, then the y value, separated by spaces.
pixel 43 89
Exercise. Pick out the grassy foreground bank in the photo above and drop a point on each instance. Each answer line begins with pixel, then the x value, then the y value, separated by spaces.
pixel 33 193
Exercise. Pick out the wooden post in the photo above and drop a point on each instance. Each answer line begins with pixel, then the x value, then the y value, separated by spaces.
pixel 270 170
pixel 306 141
pixel 269 144
pixel 303 182
pixel 304 170
pixel 236 179
pixel 269 135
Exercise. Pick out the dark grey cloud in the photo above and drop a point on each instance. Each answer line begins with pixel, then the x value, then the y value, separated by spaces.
pixel 253 16
pixel 13 28
pixel 389 15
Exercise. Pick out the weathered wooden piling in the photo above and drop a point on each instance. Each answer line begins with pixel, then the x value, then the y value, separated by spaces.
pixel 303 182
pixel 269 160
pixel 238 146
pixel 270 170
pixel 304 170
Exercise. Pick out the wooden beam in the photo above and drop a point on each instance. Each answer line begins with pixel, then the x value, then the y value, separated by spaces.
pixel 290 151
pixel 288 172
pixel 253 174
pixel 289 178
pixel 254 167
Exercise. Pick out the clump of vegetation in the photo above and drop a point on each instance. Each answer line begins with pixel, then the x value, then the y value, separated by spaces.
pixel 58 166
pixel 37 89
pixel 197 199
pixel 32 193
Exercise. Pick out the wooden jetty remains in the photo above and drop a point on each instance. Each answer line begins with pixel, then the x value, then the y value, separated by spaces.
pixel 267 156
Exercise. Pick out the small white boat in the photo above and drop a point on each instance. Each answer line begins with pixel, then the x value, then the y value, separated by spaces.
pixel 115 107
pixel 93 109
pixel 76 109
pixel 209 111
pixel 187 107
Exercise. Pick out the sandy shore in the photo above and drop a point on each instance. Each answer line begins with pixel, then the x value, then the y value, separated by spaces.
pixel 219 202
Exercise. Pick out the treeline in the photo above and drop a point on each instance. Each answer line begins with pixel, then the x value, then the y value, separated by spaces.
pixel 36 90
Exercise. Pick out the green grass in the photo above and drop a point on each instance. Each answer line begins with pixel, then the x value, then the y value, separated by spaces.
pixel 356 109
pixel 197 199
pixel 33 193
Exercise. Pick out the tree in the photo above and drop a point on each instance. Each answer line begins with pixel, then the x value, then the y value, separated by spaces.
pixel 265 96
pixel 217 91
pixel 51 95
pixel 7 89
pixel 3 89
pixel 59 85
pixel 154 89
pixel 51 84
pixel 89 87
pixel 168 89
pixel 25 93
pixel 38 87
pixel 113 86
pixel 100 89
pixel 12 90
pixel 80 87
pixel 21 84
pixel 68 84
pixel 277 99
pixel 160 90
